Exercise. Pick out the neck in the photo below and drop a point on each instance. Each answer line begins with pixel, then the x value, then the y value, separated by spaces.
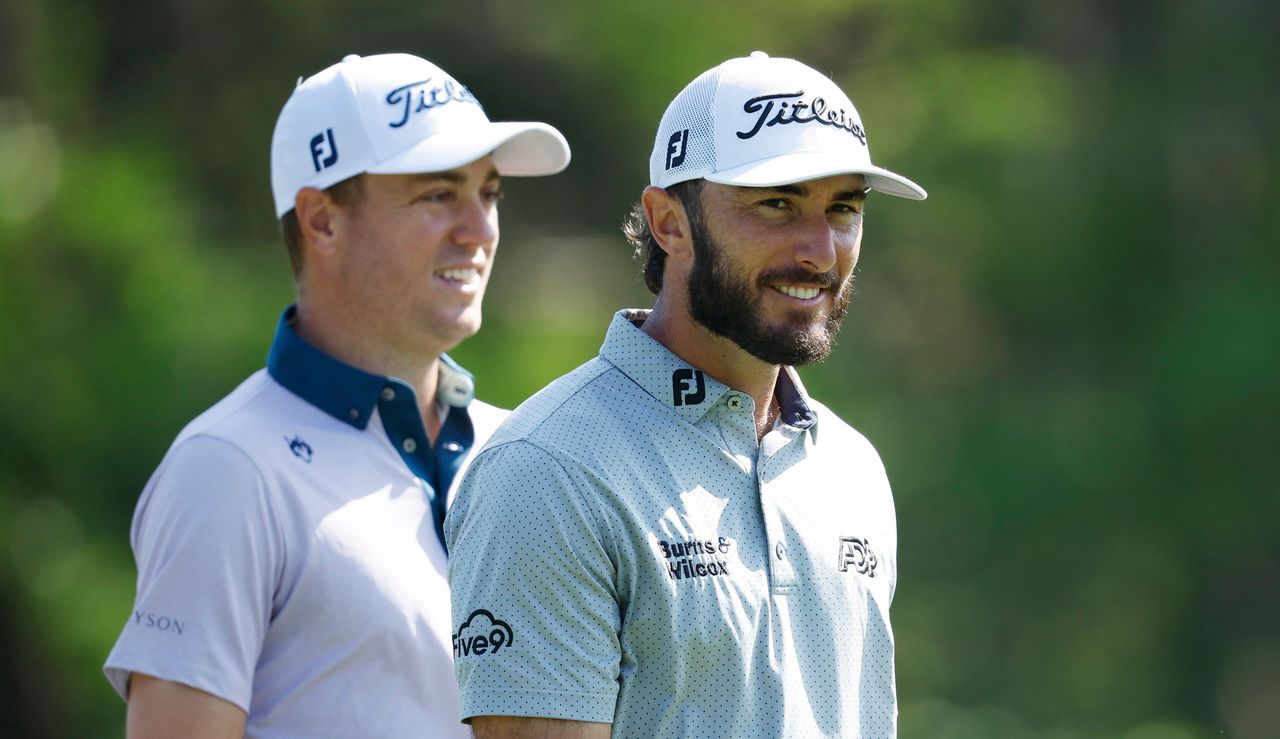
pixel 337 334
pixel 718 357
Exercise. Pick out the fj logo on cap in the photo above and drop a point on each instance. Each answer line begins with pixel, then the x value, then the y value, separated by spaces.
pixel 318 150
pixel 676 148
pixel 798 111
pixel 857 553
pixel 688 387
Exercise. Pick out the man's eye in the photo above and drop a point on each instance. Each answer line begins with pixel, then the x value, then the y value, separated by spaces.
pixel 435 196
pixel 776 203
pixel 494 196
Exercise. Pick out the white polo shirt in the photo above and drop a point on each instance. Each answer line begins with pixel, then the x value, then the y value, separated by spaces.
pixel 624 551
pixel 289 555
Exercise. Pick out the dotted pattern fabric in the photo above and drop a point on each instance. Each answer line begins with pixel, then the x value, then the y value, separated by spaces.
pixel 617 557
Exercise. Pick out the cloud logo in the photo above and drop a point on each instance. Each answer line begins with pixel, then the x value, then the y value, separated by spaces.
pixel 481 634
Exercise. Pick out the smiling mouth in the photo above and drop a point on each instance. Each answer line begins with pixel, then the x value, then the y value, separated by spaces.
pixel 799 293
pixel 460 276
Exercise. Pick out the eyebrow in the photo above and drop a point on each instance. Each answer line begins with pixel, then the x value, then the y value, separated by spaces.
pixel 452 176
pixel 851 195
pixel 802 191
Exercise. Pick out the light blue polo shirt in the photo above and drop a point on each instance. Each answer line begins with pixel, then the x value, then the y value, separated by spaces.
pixel 289 551
pixel 625 551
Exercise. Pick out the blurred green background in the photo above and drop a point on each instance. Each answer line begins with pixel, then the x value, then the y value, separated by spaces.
pixel 1066 356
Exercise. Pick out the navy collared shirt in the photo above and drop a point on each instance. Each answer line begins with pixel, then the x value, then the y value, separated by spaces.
pixel 350 395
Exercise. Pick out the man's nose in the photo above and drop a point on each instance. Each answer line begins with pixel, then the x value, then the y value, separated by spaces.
pixel 816 244
pixel 477 223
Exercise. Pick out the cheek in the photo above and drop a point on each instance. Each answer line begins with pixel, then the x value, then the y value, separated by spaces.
pixel 366 257
pixel 852 249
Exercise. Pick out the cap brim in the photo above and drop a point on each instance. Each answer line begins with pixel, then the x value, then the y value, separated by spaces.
pixel 519 150
pixel 792 168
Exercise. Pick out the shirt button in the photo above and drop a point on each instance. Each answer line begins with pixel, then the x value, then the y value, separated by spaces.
pixel 353 414
pixel 388 394
pixel 780 550
pixel 735 402
pixel 409 446
pixel 453 446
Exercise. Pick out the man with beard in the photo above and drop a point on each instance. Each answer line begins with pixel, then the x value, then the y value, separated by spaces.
pixel 675 539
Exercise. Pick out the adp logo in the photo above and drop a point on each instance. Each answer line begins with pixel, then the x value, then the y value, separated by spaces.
pixel 481 634
pixel 676 148
pixel 857 553
pixel 319 150
pixel 688 387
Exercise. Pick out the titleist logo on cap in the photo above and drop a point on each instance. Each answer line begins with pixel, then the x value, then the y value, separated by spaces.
pixel 760 121
pixel 427 98
pixel 380 112
pixel 791 110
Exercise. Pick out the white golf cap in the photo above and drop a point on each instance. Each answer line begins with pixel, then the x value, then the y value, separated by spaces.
pixel 758 121
pixel 395 114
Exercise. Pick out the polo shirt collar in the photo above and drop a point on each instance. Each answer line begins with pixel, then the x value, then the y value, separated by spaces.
pixel 793 400
pixel 680 385
pixel 347 393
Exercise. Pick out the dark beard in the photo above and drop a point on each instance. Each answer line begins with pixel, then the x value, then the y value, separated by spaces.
pixel 722 302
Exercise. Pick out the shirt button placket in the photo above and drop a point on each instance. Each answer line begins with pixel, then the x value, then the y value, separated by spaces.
pixel 782 576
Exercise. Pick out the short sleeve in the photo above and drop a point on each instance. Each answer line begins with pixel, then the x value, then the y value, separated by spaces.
pixel 883 509
pixel 209 554
pixel 535 609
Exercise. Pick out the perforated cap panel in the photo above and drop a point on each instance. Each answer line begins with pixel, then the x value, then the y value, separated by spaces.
pixel 685 147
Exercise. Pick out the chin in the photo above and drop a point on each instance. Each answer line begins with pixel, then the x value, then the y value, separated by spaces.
pixel 465 329
pixel 447 330
pixel 801 322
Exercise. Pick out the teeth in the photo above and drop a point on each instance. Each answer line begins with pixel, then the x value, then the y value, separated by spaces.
pixel 459 275
pixel 803 293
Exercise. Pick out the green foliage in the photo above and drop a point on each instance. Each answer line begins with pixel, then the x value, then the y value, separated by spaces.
pixel 1066 355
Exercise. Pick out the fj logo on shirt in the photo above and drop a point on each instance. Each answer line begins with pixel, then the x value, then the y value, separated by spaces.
pixel 688 387
pixel 690 559
pixel 857 554
pixel 481 634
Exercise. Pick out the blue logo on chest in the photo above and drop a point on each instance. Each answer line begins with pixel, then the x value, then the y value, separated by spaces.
pixel 300 448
